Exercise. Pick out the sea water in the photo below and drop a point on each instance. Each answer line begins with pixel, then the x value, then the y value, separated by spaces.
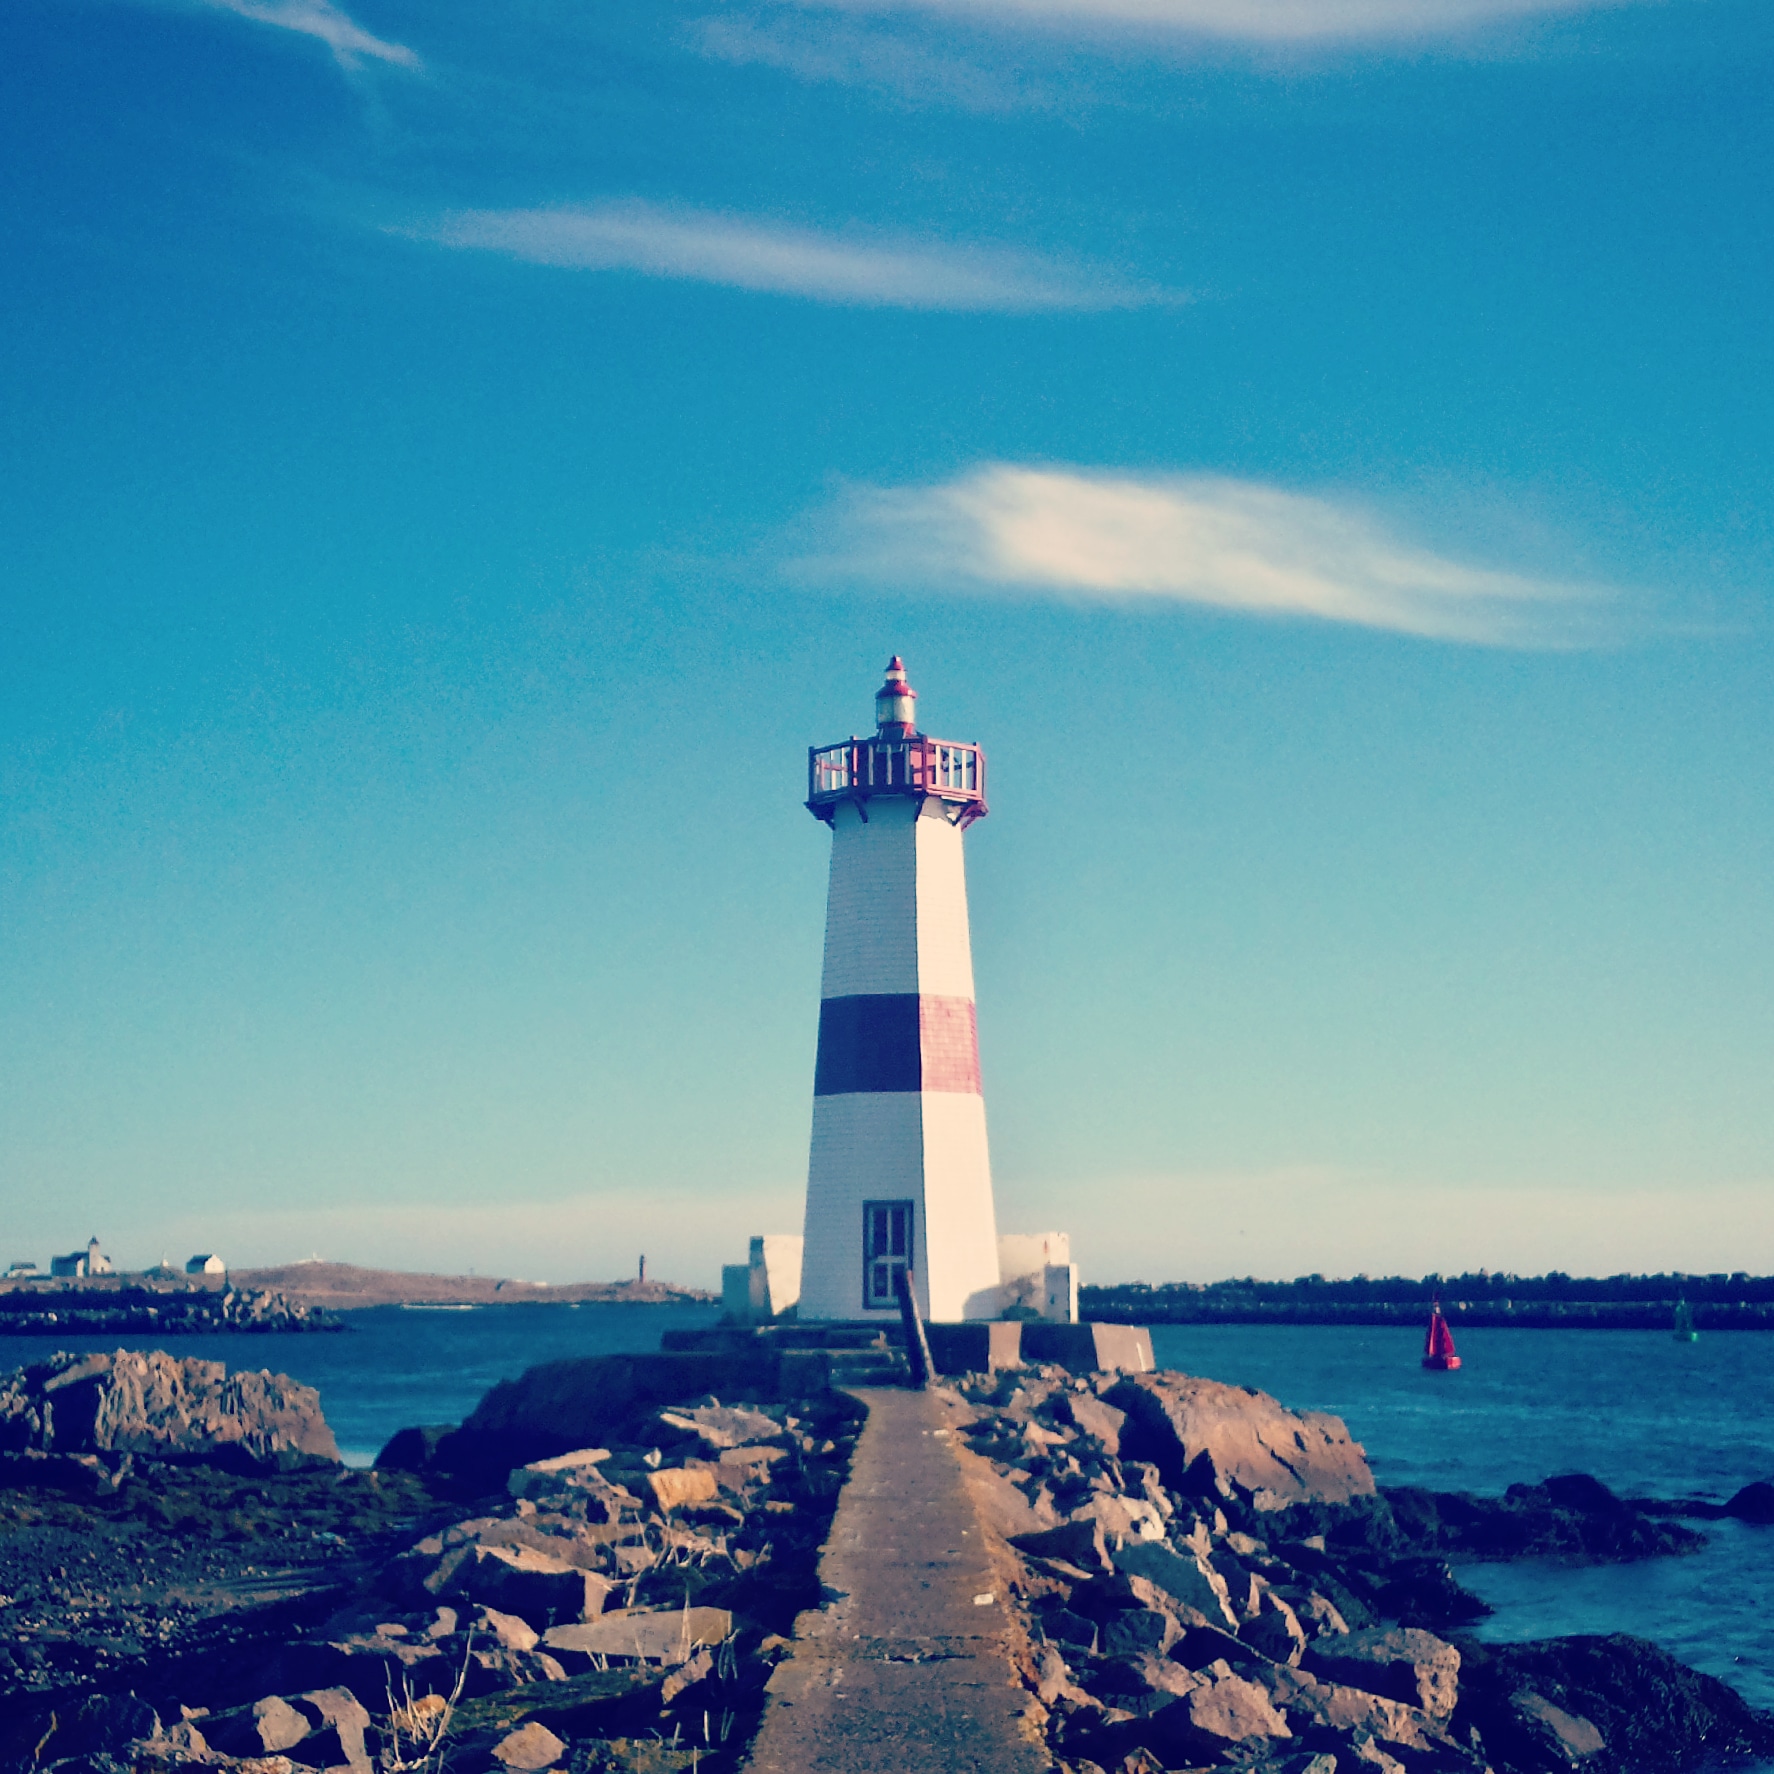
pixel 1647 1415
pixel 399 1365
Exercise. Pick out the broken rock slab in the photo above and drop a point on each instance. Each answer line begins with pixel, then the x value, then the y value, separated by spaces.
pixel 1185 1576
pixel 536 1585
pixel 324 1727
pixel 645 1635
pixel 675 1487
pixel 563 1472
pixel 510 1632
pixel 720 1427
pixel 1402 1663
pixel 529 1749
pixel 1221 1712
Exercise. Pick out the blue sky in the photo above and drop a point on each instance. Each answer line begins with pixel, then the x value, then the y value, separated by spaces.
pixel 456 459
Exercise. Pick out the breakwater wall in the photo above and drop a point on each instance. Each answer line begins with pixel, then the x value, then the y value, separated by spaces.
pixel 50 1308
pixel 1536 1302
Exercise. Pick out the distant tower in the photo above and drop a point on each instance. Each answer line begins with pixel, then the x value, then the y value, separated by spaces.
pixel 898 1174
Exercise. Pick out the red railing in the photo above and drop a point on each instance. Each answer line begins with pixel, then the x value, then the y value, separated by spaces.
pixel 858 769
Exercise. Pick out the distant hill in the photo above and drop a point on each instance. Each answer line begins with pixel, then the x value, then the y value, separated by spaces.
pixel 341 1287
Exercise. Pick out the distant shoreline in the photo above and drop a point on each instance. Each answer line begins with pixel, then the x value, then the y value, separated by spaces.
pixel 1482 1301
pixel 294 1297
pixel 346 1287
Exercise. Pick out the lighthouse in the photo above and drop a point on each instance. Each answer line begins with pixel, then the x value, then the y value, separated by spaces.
pixel 898 1176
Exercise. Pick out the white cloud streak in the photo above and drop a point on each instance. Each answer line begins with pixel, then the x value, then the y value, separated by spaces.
pixel 1234 545
pixel 889 60
pixel 350 43
pixel 1254 21
pixel 851 269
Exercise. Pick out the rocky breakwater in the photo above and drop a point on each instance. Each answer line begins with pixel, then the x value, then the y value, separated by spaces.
pixel 610 1607
pixel 1208 1580
pixel 56 1308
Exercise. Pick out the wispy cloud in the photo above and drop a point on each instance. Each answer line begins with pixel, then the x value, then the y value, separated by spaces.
pixel 1187 539
pixel 852 267
pixel 348 40
pixel 852 54
pixel 1259 21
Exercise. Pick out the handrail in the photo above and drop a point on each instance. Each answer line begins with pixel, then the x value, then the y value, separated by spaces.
pixel 917 1345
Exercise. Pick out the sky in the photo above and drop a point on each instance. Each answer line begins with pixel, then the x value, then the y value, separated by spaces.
pixel 455 459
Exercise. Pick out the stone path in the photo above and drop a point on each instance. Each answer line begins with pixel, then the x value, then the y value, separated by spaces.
pixel 908 1672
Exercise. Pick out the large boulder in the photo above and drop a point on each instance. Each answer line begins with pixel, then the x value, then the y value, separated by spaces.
pixel 1188 1578
pixel 535 1585
pixel 1222 1712
pixel 152 1404
pixel 1544 1704
pixel 560 1406
pixel 1315 1707
pixel 1232 1441
pixel 324 1728
pixel 1403 1663
pixel 506 1565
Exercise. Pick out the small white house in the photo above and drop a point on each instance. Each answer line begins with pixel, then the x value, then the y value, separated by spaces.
pixel 206 1263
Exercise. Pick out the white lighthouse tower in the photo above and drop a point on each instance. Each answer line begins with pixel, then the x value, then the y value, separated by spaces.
pixel 899 1176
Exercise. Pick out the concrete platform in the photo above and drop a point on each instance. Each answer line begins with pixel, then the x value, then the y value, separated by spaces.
pixel 871 1353
pixel 905 1670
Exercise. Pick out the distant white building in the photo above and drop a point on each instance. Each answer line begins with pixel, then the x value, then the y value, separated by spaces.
pixel 767 1287
pixel 1037 1276
pixel 206 1263
pixel 91 1261
pixel 22 1270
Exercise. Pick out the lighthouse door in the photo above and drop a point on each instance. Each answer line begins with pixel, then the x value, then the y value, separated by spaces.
pixel 886 1249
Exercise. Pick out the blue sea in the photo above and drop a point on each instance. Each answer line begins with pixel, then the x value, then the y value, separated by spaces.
pixel 1645 1414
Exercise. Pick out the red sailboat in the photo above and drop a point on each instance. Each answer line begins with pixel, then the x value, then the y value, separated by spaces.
pixel 1438 1346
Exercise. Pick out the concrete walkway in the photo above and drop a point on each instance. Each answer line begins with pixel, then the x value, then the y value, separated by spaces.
pixel 907 1672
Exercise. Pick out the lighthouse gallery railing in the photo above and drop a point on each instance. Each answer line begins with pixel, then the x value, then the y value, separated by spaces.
pixel 857 769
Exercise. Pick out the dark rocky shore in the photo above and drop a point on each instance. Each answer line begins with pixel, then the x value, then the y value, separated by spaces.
pixel 1209 1580
pixel 255 1605
pixel 602 1568
pixel 170 1308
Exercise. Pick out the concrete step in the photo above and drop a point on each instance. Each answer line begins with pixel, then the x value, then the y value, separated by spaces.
pixel 869 1367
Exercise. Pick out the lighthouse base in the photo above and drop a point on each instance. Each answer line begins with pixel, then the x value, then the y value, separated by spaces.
pixel 868 1353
